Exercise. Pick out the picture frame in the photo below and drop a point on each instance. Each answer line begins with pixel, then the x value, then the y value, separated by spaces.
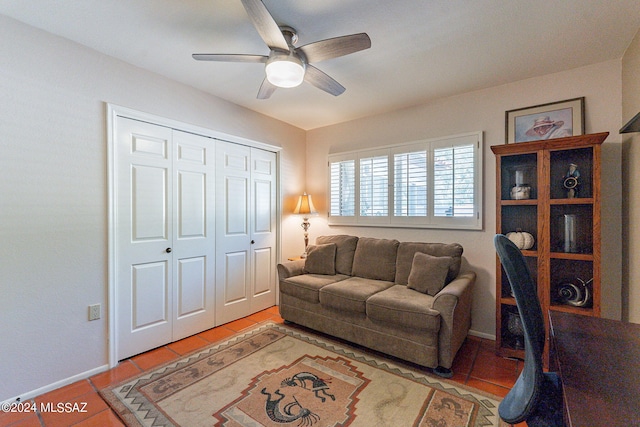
pixel 545 121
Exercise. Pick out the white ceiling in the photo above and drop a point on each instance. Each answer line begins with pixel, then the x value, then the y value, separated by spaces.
pixel 421 49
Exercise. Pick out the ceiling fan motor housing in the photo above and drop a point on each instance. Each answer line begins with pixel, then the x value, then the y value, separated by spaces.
pixel 285 69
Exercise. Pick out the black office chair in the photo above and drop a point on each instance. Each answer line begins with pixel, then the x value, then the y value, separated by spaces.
pixel 536 396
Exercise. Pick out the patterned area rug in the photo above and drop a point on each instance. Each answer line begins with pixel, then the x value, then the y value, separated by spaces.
pixel 280 375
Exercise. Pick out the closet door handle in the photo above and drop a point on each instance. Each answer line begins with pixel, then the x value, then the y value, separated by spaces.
pixel 253 241
pixel 168 250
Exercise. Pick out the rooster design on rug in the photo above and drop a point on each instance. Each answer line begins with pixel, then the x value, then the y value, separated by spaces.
pixel 286 415
pixel 302 379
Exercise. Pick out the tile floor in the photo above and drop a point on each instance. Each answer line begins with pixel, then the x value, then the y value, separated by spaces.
pixel 475 365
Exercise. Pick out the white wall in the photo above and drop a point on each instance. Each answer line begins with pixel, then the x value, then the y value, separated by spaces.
pixel 53 193
pixel 484 111
pixel 631 183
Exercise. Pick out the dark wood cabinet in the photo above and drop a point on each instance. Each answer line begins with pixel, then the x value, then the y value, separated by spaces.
pixel 551 190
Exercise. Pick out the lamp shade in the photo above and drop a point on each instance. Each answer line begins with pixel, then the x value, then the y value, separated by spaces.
pixel 285 71
pixel 305 205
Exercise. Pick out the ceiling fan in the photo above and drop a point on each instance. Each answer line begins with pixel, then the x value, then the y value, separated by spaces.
pixel 286 65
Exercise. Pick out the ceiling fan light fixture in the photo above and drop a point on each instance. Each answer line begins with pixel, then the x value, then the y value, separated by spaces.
pixel 285 71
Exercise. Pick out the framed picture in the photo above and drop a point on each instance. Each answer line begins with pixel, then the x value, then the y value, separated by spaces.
pixel 546 121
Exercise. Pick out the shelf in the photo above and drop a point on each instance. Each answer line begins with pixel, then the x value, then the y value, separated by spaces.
pixel 566 255
pixel 564 220
pixel 571 309
pixel 526 202
pixel 508 301
pixel 574 201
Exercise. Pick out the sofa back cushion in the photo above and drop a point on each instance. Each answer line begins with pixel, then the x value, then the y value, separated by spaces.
pixel 375 259
pixel 407 250
pixel 345 249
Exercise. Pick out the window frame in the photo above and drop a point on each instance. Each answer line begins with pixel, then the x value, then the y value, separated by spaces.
pixel 370 219
pixel 430 220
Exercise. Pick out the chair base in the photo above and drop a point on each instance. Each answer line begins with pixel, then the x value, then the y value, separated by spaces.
pixel 443 372
pixel 545 410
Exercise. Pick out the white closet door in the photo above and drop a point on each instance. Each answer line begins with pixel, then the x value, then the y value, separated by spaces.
pixel 263 229
pixel 144 218
pixel 193 234
pixel 245 231
pixel 165 242
pixel 233 235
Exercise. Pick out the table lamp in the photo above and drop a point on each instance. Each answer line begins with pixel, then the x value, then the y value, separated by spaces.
pixel 305 208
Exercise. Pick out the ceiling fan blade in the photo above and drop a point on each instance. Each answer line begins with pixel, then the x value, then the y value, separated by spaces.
pixel 322 81
pixel 229 57
pixel 335 47
pixel 266 89
pixel 265 24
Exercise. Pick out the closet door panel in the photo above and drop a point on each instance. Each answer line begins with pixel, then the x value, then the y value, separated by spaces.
pixel 192 286
pixel 263 269
pixel 263 229
pixel 233 239
pixel 191 205
pixel 236 222
pixel 235 289
pixel 194 231
pixel 149 191
pixel 149 295
pixel 144 217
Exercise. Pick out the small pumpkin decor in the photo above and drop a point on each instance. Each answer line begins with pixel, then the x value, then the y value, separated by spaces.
pixel 521 239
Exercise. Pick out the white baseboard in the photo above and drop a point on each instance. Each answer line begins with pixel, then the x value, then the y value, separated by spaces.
pixel 482 335
pixel 53 386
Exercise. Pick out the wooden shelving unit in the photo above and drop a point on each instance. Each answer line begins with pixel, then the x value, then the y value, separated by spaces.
pixel 543 166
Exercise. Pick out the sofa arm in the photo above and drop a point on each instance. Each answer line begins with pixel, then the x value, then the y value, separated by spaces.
pixel 454 304
pixel 290 268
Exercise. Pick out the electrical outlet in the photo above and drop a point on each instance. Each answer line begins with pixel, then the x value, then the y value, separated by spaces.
pixel 94 312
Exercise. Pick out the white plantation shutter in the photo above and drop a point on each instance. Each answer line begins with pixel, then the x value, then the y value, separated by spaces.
pixel 410 184
pixel 453 181
pixel 343 188
pixel 374 186
pixel 425 184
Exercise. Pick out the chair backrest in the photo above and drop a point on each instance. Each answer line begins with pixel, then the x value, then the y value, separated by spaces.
pixel 523 398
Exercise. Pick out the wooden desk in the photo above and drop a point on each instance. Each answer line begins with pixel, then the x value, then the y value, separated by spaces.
pixel 599 364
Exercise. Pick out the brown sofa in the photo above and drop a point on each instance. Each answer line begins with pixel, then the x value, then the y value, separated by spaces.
pixel 405 299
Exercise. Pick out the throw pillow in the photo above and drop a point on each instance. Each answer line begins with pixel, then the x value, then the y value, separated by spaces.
pixel 428 273
pixel 321 259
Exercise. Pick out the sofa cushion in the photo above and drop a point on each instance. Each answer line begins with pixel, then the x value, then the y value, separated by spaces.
pixel 307 286
pixel 428 273
pixel 406 251
pixel 405 307
pixel 351 294
pixel 321 259
pixel 375 259
pixel 345 248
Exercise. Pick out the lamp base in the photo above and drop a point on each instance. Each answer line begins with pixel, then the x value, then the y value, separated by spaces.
pixel 305 226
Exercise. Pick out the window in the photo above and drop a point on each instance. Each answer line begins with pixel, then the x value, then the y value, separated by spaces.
pixel 431 184
pixel 374 188
pixel 410 184
pixel 453 181
pixel 343 189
